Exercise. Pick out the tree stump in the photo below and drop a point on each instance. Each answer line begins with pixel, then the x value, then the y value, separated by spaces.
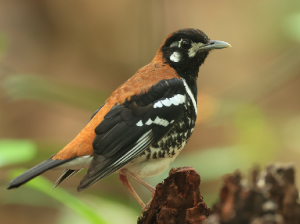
pixel 177 200
pixel 270 197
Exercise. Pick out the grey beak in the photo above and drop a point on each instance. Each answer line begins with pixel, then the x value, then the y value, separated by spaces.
pixel 215 44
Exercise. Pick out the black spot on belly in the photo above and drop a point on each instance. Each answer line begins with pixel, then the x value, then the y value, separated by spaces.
pixel 148 155
pixel 143 153
pixel 175 138
pixel 161 154
pixel 155 145
pixel 154 155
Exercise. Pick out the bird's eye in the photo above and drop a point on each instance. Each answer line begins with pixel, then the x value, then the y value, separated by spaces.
pixel 186 44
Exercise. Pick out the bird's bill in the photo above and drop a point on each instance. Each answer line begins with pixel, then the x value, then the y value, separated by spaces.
pixel 215 44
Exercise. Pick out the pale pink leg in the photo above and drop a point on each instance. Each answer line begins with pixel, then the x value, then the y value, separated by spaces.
pixel 123 178
pixel 132 175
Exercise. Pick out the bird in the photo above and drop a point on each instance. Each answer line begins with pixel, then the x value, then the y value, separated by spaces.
pixel 143 125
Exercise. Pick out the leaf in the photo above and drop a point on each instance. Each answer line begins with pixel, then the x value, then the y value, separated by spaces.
pixel 108 209
pixel 13 151
pixel 43 185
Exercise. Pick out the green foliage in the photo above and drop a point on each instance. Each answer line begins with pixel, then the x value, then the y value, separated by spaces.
pixel 255 133
pixel 13 151
pixel 43 185
pixel 19 87
pixel 292 26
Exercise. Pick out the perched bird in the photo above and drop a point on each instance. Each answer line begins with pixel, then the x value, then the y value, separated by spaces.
pixel 144 124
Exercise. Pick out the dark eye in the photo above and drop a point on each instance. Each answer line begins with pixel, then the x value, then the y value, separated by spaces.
pixel 186 44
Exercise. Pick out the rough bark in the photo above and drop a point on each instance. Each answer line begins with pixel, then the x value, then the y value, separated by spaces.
pixel 270 197
pixel 177 200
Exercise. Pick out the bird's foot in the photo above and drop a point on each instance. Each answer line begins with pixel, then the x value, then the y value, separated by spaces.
pixel 147 206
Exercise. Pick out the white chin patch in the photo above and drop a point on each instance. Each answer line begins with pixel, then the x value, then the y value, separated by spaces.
pixel 175 57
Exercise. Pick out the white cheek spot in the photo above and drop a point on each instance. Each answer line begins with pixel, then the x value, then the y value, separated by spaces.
pixel 175 57
pixel 171 121
pixel 140 123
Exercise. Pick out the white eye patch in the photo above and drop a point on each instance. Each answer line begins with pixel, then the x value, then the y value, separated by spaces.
pixel 175 57
pixel 195 47
pixel 179 43
pixel 174 44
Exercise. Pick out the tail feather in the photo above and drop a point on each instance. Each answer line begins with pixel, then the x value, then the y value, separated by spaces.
pixel 64 176
pixel 35 171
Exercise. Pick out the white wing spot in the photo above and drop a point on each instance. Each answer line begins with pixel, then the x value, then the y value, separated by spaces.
pixel 175 100
pixel 166 102
pixel 161 121
pixel 149 122
pixel 140 123
pixel 175 57
pixel 158 104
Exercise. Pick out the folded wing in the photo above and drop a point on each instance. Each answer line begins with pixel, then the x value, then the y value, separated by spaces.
pixel 130 128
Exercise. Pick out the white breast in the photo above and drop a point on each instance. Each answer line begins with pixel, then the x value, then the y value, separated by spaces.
pixel 150 167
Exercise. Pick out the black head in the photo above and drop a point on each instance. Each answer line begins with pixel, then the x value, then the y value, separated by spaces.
pixel 186 49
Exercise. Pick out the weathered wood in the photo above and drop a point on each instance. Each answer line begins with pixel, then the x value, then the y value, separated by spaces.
pixel 177 200
pixel 270 197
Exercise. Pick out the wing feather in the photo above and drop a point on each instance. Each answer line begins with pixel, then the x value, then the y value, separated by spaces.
pixel 126 130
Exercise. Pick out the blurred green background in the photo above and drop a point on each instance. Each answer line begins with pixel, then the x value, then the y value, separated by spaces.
pixel 59 60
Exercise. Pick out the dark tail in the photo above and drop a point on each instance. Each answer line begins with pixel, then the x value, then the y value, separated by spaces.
pixel 66 174
pixel 35 171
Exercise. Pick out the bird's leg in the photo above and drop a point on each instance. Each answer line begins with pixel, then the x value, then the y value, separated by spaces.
pixel 123 178
pixel 132 175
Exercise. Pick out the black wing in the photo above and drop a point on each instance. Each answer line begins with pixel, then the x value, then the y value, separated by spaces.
pixel 128 129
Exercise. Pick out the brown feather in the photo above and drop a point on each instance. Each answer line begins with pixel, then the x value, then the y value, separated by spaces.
pixel 141 82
